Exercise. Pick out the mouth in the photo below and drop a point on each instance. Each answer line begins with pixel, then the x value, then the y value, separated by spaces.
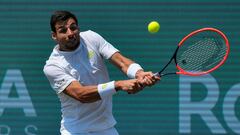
pixel 72 40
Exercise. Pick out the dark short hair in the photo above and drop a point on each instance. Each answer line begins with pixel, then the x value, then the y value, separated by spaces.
pixel 61 16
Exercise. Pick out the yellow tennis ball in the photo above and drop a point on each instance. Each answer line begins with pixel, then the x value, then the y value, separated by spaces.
pixel 153 27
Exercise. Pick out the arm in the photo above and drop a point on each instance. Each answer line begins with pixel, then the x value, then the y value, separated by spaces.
pixel 63 82
pixel 84 94
pixel 89 94
pixel 123 63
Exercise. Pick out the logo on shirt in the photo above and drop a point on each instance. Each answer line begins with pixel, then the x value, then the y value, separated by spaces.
pixel 59 83
pixel 104 86
pixel 90 54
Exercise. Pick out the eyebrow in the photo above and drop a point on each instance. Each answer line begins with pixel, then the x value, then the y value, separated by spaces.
pixel 62 26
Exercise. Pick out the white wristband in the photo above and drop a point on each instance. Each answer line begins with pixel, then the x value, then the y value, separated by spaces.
pixel 132 70
pixel 106 89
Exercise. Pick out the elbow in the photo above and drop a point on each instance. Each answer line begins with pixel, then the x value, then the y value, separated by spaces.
pixel 81 94
pixel 83 98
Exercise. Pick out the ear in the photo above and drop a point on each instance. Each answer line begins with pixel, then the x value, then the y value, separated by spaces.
pixel 54 36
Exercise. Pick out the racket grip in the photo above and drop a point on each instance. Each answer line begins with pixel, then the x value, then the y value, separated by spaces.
pixel 156 74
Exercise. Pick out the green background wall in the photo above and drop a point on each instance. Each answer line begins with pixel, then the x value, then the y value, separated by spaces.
pixel 25 45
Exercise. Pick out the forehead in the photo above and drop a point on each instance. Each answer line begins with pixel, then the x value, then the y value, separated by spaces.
pixel 65 23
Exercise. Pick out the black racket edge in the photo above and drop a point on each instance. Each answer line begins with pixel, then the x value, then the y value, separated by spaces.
pixel 160 74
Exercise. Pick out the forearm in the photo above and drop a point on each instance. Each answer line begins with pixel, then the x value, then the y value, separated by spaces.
pixel 126 65
pixel 133 70
pixel 123 64
pixel 89 94
pixel 84 94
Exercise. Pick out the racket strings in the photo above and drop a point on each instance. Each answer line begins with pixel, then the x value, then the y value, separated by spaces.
pixel 201 52
pixel 196 55
pixel 216 59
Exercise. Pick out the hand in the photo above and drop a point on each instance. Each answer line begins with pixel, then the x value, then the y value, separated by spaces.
pixel 146 78
pixel 130 86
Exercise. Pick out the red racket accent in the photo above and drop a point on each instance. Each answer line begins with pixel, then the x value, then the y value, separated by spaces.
pixel 181 71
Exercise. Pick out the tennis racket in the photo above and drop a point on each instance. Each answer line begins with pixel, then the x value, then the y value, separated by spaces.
pixel 200 52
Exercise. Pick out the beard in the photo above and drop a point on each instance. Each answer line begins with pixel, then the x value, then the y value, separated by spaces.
pixel 71 44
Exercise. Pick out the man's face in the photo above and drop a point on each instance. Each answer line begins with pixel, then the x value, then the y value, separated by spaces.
pixel 67 35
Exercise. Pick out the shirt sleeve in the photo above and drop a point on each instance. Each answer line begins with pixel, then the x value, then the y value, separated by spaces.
pixel 59 80
pixel 105 48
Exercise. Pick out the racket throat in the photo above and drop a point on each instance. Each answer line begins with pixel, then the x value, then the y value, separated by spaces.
pixel 160 74
pixel 163 74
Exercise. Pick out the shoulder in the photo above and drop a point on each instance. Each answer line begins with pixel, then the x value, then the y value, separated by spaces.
pixel 54 62
pixel 91 36
pixel 91 39
pixel 51 65
pixel 89 33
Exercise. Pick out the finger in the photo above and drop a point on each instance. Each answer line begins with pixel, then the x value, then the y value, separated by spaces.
pixel 140 86
pixel 154 80
pixel 137 87
pixel 150 74
pixel 130 88
pixel 157 77
pixel 143 74
pixel 141 83
pixel 149 80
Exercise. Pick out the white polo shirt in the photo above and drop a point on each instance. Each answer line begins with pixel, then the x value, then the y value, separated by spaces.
pixel 86 65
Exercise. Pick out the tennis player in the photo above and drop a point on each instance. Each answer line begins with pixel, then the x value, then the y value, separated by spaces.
pixel 76 71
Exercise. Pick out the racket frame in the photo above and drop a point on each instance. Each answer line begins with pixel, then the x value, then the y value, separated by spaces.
pixel 180 70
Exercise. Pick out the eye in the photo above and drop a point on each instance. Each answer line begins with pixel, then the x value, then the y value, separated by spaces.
pixel 73 27
pixel 62 30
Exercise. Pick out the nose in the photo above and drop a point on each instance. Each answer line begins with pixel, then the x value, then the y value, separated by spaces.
pixel 70 33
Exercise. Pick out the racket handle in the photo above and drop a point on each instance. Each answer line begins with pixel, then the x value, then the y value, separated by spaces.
pixel 157 74
pixel 161 75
